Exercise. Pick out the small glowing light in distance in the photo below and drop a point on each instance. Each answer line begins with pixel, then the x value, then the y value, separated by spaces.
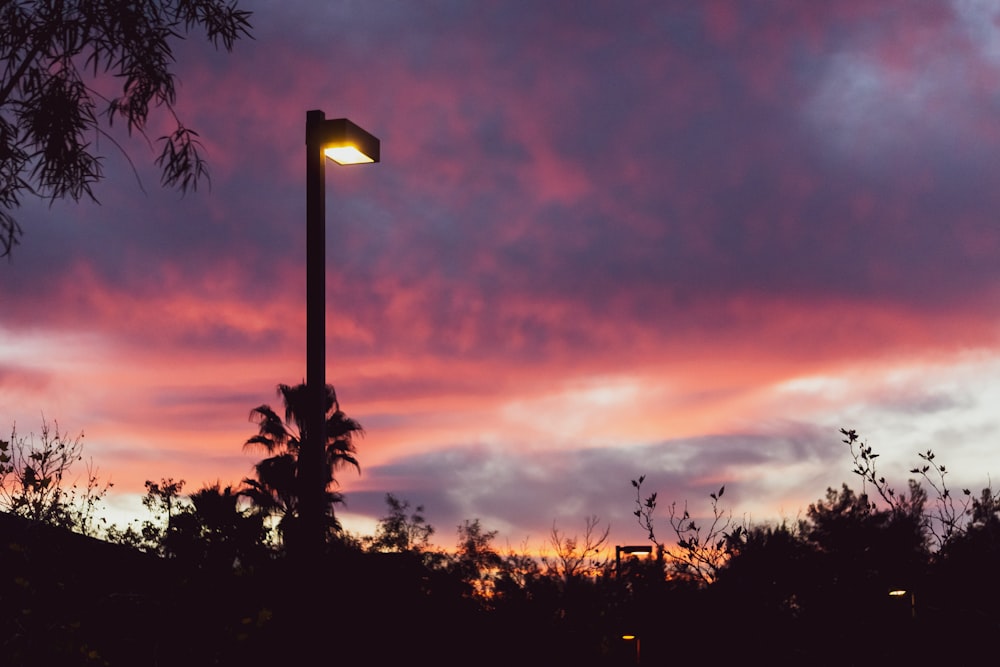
pixel 346 155
pixel 897 593
pixel 628 637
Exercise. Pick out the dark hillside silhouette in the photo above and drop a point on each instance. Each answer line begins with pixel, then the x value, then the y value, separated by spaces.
pixel 69 599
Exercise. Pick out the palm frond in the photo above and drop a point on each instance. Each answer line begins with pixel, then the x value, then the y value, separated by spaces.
pixel 271 431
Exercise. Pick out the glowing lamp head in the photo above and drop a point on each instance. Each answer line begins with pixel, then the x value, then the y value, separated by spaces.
pixel 341 140
pixel 641 550
pixel 347 155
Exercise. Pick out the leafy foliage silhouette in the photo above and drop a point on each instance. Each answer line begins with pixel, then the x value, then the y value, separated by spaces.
pixel 801 580
pixel 573 558
pixel 56 58
pixel 401 530
pixel 35 484
pixel 701 550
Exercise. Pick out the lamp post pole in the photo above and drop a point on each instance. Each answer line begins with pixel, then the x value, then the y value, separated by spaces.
pixel 310 472
pixel 345 143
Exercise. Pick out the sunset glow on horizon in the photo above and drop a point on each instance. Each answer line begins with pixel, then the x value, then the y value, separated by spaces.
pixel 689 241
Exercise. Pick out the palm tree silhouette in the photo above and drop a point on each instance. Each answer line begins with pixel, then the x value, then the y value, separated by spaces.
pixel 276 489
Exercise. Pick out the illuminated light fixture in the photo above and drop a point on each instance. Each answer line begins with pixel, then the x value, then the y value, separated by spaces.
pixel 897 593
pixel 347 155
pixel 344 142
pixel 643 550
pixel 633 550
pixel 628 637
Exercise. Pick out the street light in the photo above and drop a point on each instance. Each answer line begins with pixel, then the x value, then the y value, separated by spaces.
pixel 346 143
pixel 640 550
pixel 902 593
pixel 633 638
pixel 630 550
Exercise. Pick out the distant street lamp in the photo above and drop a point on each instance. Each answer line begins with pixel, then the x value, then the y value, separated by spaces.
pixel 345 143
pixel 633 638
pixel 900 593
pixel 635 550
pixel 630 550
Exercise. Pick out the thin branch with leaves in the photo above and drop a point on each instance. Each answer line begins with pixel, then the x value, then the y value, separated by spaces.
pixel 701 551
pixel 52 117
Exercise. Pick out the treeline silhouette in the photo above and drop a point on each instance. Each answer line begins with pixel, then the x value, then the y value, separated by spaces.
pixel 875 576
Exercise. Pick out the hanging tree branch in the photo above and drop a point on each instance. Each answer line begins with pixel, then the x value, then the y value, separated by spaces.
pixel 50 117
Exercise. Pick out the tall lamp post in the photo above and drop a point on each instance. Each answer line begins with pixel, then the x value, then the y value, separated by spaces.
pixel 630 550
pixel 345 143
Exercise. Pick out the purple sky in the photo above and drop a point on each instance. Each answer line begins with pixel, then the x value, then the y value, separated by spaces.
pixel 689 240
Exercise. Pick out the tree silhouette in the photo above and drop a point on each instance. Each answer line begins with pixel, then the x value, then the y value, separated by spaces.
pixel 966 579
pixel 476 562
pixel 856 580
pixel 402 531
pixel 276 489
pixel 50 116
pixel 34 478
pixel 702 549
pixel 573 558
pixel 215 533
